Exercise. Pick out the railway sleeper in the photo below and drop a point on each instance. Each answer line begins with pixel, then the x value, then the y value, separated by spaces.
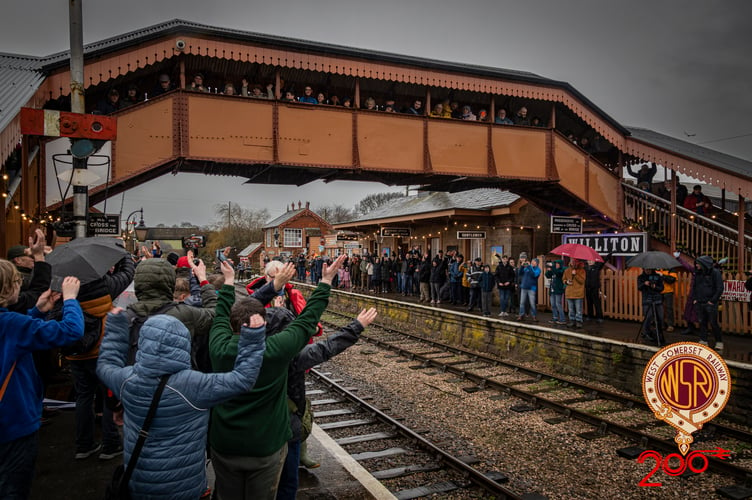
pixel 735 491
pixel 364 438
pixel 322 402
pixel 346 424
pixel 565 417
pixel 334 413
pixel 368 455
pixel 600 432
pixel 404 471
pixel 424 491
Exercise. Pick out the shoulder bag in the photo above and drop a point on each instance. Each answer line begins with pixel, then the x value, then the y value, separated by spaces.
pixel 118 487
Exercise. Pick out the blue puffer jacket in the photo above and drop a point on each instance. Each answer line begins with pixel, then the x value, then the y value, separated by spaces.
pixel 171 464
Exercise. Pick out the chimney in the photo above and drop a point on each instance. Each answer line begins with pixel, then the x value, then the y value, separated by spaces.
pixel 308 205
pixel 299 204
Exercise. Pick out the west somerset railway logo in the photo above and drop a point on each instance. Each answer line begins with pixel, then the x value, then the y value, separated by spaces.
pixel 686 385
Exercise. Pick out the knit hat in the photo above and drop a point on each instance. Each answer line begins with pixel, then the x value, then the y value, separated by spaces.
pixel 182 262
pixel 172 258
pixel 16 251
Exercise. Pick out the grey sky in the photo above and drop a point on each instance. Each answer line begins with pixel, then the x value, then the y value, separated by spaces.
pixel 673 67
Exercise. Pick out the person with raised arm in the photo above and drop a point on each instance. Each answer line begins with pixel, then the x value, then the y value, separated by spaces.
pixel 20 387
pixel 249 433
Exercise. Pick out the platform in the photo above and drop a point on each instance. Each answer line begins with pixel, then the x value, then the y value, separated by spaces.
pixel 58 475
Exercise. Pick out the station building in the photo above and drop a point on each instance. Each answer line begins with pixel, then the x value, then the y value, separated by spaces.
pixel 298 230
pixel 477 223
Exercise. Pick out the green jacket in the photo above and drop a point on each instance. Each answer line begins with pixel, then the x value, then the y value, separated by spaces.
pixel 257 424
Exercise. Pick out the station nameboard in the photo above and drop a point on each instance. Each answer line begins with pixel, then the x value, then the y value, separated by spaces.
pixel 400 232
pixel 347 237
pixel 101 224
pixel 471 235
pixel 627 244
pixel 561 224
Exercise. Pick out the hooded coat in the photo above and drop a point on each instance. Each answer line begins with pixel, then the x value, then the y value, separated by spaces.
pixel 154 284
pixel 171 464
pixel 708 285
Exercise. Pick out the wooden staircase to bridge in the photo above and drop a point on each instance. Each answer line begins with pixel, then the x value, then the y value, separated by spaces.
pixel 695 234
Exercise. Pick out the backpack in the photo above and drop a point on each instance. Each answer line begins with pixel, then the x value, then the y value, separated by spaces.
pixel 136 323
pixel 95 315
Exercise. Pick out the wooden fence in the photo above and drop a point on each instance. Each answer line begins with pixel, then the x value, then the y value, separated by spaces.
pixel 622 301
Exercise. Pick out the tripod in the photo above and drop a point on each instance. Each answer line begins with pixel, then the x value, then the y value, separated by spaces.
pixel 645 326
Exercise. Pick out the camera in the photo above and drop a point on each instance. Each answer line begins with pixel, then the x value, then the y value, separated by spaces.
pixel 220 256
pixel 180 44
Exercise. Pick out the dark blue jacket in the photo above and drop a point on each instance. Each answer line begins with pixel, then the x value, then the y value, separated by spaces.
pixel 21 407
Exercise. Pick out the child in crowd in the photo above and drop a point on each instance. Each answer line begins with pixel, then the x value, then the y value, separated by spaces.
pixel 487 285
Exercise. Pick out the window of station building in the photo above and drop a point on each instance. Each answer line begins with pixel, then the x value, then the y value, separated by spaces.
pixel 268 238
pixel 293 238
pixel 476 249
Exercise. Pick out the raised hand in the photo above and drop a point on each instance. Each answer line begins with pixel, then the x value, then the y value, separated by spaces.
pixel 37 245
pixel 329 272
pixel 227 271
pixel 284 275
pixel 367 316
pixel 199 270
pixel 47 300
pixel 70 287
pixel 256 321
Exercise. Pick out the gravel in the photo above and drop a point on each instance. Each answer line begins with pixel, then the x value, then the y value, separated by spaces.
pixel 538 457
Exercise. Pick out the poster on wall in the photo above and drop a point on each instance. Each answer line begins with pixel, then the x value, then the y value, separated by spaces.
pixel 497 252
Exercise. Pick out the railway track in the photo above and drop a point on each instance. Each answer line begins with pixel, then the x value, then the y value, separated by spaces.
pixel 407 463
pixel 608 412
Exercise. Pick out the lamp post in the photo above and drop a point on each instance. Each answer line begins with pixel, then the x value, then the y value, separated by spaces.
pixel 139 231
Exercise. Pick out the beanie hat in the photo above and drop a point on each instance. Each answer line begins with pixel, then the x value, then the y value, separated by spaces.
pixel 172 258
pixel 16 251
pixel 182 262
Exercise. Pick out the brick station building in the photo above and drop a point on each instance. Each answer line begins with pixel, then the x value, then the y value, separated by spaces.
pixel 298 230
pixel 477 223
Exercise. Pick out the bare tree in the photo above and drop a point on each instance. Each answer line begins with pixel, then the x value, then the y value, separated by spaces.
pixel 235 227
pixel 373 201
pixel 334 214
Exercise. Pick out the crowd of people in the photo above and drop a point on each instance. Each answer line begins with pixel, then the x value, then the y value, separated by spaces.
pixel 576 284
pixel 187 342
pixel 446 108
pixel 187 337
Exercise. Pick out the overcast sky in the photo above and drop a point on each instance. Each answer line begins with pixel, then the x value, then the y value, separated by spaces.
pixel 674 67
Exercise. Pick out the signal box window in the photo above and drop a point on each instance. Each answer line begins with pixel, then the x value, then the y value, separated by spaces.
pixel 293 238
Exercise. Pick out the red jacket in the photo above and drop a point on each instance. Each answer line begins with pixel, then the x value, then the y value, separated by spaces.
pixel 295 300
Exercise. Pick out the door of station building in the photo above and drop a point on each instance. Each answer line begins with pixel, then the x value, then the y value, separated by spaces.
pixel 435 246
pixel 476 249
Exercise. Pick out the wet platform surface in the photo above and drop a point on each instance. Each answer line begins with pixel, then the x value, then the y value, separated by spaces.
pixel 58 475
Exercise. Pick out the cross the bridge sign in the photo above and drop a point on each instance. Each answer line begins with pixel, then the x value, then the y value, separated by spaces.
pixel 561 224
pixel 103 225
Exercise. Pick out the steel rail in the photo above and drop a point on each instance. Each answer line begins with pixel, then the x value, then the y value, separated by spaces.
pixel 471 473
pixel 603 425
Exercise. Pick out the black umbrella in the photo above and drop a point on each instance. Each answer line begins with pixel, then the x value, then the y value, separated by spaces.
pixel 88 259
pixel 654 260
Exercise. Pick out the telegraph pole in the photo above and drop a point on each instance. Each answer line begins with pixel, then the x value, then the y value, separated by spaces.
pixel 80 193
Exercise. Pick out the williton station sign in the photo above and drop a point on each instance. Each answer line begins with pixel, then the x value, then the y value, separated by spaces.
pixel 627 244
